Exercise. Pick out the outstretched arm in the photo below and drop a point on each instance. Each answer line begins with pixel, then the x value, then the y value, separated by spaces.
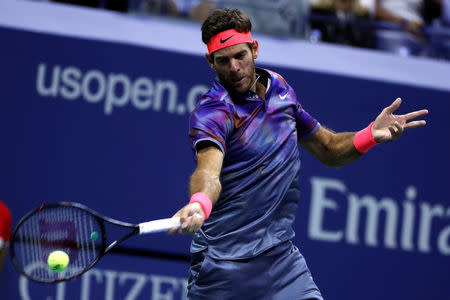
pixel 206 180
pixel 338 149
pixel 332 149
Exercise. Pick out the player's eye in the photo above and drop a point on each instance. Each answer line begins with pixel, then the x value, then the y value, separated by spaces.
pixel 241 55
pixel 222 60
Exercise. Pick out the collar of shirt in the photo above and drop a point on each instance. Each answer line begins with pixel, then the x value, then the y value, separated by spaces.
pixel 250 96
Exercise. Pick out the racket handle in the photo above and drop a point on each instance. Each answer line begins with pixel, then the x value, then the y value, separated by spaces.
pixel 159 225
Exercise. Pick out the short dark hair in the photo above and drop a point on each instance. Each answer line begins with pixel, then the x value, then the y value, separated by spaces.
pixel 225 19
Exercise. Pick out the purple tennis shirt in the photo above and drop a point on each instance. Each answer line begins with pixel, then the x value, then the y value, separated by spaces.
pixel 259 177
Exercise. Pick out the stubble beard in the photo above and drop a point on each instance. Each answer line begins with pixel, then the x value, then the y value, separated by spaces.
pixel 228 83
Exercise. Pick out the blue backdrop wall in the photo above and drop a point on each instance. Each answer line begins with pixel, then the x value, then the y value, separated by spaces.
pixel 105 124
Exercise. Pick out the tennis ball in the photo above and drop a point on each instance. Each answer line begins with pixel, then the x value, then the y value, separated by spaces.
pixel 58 260
pixel 94 236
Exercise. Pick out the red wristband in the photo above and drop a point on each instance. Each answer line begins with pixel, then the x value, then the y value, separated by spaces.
pixel 363 139
pixel 204 202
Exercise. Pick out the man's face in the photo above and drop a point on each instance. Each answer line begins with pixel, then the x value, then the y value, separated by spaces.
pixel 235 66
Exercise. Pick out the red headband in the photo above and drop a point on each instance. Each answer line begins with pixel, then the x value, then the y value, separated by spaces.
pixel 228 38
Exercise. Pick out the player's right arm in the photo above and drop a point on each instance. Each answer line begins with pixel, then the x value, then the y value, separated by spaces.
pixel 210 124
pixel 206 180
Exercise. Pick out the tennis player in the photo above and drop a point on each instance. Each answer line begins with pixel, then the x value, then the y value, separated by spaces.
pixel 244 191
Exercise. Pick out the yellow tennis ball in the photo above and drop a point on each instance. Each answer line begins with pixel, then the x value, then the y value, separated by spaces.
pixel 58 260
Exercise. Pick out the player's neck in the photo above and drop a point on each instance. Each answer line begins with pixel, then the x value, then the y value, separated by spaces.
pixel 254 84
pixel 258 87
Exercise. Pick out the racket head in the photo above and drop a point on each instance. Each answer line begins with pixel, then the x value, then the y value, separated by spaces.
pixel 69 227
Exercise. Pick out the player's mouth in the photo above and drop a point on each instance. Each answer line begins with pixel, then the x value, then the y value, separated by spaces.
pixel 237 81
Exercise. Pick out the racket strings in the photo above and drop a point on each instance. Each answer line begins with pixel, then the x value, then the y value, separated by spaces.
pixel 68 229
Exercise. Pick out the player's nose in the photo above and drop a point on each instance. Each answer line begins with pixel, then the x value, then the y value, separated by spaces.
pixel 234 65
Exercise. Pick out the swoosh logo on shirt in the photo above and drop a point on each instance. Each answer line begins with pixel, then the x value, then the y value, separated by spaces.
pixel 223 41
pixel 284 96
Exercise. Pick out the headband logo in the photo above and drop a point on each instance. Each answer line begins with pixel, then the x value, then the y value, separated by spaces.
pixel 223 41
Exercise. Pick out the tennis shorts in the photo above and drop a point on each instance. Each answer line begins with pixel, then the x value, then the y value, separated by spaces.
pixel 279 273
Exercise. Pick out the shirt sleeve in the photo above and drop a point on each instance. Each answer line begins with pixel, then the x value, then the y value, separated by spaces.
pixel 306 125
pixel 210 121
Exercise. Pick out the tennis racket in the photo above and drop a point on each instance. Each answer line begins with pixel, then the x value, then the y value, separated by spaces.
pixel 73 228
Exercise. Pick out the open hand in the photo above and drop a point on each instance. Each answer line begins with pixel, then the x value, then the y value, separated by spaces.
pixel 389 127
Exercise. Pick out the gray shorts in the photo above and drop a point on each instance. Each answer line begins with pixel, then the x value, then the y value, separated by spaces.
pixel 278 273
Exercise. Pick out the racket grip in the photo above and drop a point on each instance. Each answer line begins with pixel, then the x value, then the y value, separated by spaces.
pixel 159 225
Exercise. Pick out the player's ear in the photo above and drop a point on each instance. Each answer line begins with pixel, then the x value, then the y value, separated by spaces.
pixel 210 60
pixel 255 49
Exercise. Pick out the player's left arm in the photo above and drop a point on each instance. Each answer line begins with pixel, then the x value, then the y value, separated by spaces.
pixel 338 149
